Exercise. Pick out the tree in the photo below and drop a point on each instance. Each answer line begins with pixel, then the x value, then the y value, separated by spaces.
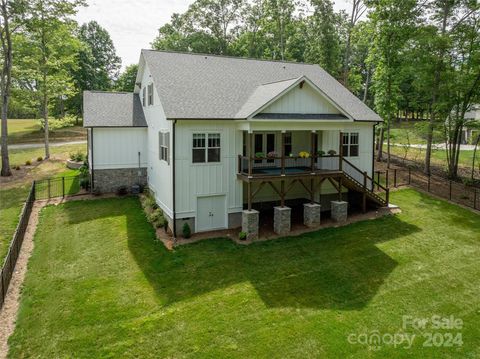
pixel 126 80
pixel 98 64
pixel 358 9
pixel 49 52
pixel 324 44
pixel 465 84
pixel 11 17
pixel 393 22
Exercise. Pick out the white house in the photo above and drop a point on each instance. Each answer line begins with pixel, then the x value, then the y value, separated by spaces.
pixel 472 117
pixel 219 139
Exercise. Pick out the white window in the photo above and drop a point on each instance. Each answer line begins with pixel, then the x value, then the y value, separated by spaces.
pixel 150 94
pixel 206 147
pixel 164 145
pixel 350 144
pixel 144 96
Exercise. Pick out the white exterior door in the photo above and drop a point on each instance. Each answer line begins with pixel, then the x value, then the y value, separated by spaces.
pixel 211 213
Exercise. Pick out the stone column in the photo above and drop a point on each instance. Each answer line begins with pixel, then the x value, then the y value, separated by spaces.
pixel 311 214
pixel 250 220
pixel 281 220
pixel 339 211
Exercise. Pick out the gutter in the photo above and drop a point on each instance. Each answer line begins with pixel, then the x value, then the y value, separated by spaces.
pixel 173 183
pixel 92 174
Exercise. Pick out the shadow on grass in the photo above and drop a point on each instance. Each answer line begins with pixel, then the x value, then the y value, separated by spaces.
pixel 339 268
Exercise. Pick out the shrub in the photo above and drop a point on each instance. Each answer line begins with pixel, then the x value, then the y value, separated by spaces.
pixel 186 230
pixel 28 163
pixel 58 123
pixel 78 156
pixel 39 159
pixel 242 236
pixel 155 215
pixel 17 168
pixel 161 222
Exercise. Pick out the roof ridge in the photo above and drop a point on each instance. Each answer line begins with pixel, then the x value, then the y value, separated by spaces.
pixel 231 57
pixel 274 82
pixel 111 92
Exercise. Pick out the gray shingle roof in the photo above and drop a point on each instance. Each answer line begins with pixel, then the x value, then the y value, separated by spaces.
pixel 195 86
pixel 112 109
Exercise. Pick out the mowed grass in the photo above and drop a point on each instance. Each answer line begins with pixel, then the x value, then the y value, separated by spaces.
pixel 29 131
pixel 100 285
pixel 439 156
pixel 20 156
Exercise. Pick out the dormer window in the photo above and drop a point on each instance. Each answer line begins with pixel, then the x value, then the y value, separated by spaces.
pixel 150 94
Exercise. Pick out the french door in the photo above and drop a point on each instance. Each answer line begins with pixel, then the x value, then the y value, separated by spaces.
pixel 264 143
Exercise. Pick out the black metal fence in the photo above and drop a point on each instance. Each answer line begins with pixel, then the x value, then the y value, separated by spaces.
pixel 15 245
pixel 457 192
pixel 57 187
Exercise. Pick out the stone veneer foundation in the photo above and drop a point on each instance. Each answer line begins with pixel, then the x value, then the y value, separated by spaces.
pixel 109 180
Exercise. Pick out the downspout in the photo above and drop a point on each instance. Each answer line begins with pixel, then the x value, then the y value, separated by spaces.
pixel 91 148
pixel 373 155
pixel 173 183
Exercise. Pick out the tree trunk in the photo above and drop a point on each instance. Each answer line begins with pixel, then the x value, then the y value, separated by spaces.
pixel 428 152
pixel 45 116
pixel 367 83
pixel 474 155
pixel 388 141
pixel 5 84
pixel 380 144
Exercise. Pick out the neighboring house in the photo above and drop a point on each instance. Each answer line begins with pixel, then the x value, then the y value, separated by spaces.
pixel 470 132
pixel 216 138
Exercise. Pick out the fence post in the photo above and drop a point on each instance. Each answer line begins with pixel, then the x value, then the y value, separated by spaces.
pixel 450 190
pixel 63 187
pixel 378 180
pixel 409 175
pixel 474 198
pixel 395 178
pixel 428 183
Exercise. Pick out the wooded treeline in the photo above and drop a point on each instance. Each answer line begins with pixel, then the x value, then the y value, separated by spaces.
pixel 407 58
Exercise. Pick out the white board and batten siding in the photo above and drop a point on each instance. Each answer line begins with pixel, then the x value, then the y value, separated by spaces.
pixel 302 100
pixel 159 172
pixel 119 147
pixel 197 184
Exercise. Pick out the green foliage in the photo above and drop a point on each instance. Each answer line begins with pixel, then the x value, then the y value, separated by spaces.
pixel 39 159
pixel 126 80
pixel 56 124
pixel 78 156
pixel 242 236
pixel 186 231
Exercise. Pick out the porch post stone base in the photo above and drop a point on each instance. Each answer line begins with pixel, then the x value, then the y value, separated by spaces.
pixel 282 220
pixel 311 214
pixel 250 224
pixel 339 211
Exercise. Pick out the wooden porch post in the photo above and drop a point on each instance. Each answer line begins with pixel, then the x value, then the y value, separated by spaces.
pixel 312 190
pixel 340 152
pixel 249 195
pixel 249 152
pixel 313 149
pixel 282 153
pixel 282 193
pixel 340 188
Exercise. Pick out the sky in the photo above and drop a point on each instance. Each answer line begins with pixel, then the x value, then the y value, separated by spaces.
pixel 134 24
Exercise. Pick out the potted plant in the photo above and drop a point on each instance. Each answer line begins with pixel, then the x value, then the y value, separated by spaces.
pixel 271 154
pixel 332 152
pixel 304 154
pixel 320 153
pixel 259 155
pixel 76 160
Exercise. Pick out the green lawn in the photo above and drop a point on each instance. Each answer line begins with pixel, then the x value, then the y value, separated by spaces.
pixel 29 130
pixel 439 156
pixel 100 285
pixel 20 156
pixel 11 202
